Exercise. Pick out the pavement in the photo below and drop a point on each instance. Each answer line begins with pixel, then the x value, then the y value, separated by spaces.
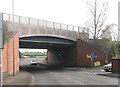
pixel 110 74
pixel 104 73
pixel 22 78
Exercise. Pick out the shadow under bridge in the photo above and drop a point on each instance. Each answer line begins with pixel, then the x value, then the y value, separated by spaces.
pixel 61 51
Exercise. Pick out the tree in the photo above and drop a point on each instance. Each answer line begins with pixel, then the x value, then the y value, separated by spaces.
pixel 96 23
pixel 114 32
pixel 110 32
pixel 116 48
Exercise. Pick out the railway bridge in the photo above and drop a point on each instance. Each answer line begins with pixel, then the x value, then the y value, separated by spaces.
pixel 66 44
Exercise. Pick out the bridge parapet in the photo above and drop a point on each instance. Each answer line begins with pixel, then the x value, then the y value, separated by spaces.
pixel 31 27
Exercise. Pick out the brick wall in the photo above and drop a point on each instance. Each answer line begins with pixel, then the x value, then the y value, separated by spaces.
pixel 4 59
pixel 62 57
pixel 84 51
pixel 8 55
pixel 16 52
pixel 116 65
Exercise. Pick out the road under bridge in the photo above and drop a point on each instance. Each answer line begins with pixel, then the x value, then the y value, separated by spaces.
pixel 61 52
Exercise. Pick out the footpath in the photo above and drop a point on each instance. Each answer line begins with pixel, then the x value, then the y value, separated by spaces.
pixel 22 78
pixel 110 74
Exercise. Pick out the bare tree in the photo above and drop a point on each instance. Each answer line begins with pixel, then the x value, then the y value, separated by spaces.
pixel 114 32
pixel 96 23
pixel 110 32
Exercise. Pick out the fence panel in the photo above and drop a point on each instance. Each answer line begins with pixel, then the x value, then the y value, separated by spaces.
pixel 24 20
pixel 33 22
pixel 57 25
pixel 42 23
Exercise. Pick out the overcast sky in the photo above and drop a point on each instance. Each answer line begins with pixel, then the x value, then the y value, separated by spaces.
pixel 73 12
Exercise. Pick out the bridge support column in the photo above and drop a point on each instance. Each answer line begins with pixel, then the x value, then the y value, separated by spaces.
pixel 62 57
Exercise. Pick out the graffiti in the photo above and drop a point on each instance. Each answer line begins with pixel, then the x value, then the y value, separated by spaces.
pixel 91 56
pixel 88 56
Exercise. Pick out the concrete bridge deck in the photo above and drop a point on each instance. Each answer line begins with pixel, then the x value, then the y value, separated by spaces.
pixel 33 27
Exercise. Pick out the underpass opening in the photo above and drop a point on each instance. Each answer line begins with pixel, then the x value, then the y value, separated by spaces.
pixel 37 55
pixel 60 52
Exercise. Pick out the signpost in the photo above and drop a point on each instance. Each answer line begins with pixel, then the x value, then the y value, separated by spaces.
pixel 93 56
pixel 1 46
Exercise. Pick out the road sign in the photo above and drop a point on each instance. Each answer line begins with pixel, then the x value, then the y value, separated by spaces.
pixel 1 30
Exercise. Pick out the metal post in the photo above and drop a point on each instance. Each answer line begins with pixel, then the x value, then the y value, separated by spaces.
pixel 29 21
pixel 67 31
pixel 91 62
pixel 38 23
pixel 46 28
pixel 19 19
pixel 1 67
pixel 1 46
pixel 20 30
pixel 38 27
pixel 9 17
pixel 13 38
pixel 72 31
pixel 60 29
pixel 53 28
pixel 78 32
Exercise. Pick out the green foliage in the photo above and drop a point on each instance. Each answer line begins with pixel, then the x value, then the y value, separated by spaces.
pixel 104 44
pixel 107 45
pixel 116 48
pixel 34 54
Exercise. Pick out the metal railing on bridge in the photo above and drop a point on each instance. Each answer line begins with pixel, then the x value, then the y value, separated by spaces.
pixel 65 30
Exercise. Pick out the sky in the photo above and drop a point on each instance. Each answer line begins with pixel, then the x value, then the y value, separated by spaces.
pixel 73 12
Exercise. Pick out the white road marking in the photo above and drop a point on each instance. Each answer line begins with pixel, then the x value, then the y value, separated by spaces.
pixel 94 73
pixel 76 81
pixel 102 70
pixel 54 73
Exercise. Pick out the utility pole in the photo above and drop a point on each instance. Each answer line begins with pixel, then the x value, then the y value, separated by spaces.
pixel 13 37
pixel 1 46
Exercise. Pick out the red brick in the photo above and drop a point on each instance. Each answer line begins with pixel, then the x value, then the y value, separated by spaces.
pixel 4 59
pixel 9 54
pixel 84 49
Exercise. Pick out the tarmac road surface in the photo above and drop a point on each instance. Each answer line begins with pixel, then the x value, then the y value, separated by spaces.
pixel 43 75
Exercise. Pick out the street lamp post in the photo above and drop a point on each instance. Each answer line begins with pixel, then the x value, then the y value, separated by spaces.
pixel 13 37
pixel 1 46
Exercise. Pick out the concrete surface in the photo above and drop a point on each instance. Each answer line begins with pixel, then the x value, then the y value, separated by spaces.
pixel 22 78
pixel 110 74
